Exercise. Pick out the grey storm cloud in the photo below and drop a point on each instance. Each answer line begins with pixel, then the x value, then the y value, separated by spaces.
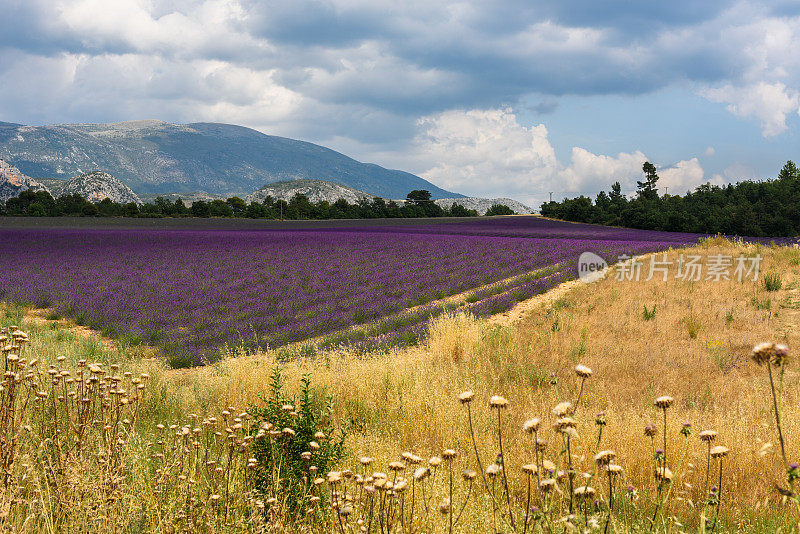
pixel 369 72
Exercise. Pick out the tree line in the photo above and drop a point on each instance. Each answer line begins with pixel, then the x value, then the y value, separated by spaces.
pixel 418 204
pixel 769 208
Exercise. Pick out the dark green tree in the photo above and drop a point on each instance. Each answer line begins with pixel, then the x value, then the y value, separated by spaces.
pixel 501 209
pixel 648 189
pixel 789 172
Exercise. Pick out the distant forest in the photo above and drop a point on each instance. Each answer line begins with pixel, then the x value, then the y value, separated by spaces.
pixel 769 208
pixel 418 204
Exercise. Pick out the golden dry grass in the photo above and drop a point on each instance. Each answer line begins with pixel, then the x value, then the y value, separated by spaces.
pixel 408 400
pixel 696 349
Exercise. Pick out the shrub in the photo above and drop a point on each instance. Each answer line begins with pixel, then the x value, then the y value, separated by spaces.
pixel 772 281
pixel 301 442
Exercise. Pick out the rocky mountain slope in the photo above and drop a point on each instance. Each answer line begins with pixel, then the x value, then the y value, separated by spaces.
pixel 153 157
pixel 13 182
pixel 94 187
pixel 481 205
pixel 187 198
pixel 315 190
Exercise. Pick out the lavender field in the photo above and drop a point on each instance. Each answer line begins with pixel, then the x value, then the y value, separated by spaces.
pixel 194 291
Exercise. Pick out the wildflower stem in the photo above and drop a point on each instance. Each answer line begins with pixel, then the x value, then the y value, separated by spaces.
pixel 719 497
pixel 527 507
pixel 450 515
pixel 777 415
pixel 580 394
pixel 570 474
pixel 475 447
pixel 610 500
pixel 466 500
pixel 505 478
pixel 708 470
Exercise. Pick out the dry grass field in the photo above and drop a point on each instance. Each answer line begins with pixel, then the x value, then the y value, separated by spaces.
pixel 691 341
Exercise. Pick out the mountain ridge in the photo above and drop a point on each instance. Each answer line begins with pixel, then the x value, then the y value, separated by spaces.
pixel 152 157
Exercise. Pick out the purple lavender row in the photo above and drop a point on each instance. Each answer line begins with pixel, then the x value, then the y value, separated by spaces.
pixel 192 292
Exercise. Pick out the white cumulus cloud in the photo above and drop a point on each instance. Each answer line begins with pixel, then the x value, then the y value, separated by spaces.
pixel 488 153
pixel 769 103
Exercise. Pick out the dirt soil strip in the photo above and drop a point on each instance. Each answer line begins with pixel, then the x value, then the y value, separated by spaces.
pixel 526 307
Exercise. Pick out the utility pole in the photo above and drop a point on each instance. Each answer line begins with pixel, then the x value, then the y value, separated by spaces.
pixel 667 192
pixel 551 196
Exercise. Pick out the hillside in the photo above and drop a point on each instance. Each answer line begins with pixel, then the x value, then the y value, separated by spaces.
pixel 481 205
pixel 94 187
pixel 13 182
pixel 154 157
pixel 315 190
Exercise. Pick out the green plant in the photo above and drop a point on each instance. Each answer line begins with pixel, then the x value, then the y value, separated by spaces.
pixel 761 304
pixel 300 441
pixel 647 314
pixel 772 281
pixel 693 326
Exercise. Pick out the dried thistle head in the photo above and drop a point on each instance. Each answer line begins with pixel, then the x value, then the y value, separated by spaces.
pixel 498 402
pixel 469 474
pixel 781 355
pixel 582 371
pixel 397 466
pixel 564 424
pixel 562 409
pixel 444 507
pixel 604 457
pixel 663 402
pixel 614 469
pixel 365 460
pixel 435 461
pixel 707 435
pixel 532 425
pixel 493 470
pixel 720 451
pixel 763 353
pixel 529 469
pixel 421 473
pixel 663 474
pixel 584 492
pixel 547 484
pixel 466 397
pixel 449 454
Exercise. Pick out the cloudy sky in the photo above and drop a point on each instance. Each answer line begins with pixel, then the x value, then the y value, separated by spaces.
pixel 513 98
